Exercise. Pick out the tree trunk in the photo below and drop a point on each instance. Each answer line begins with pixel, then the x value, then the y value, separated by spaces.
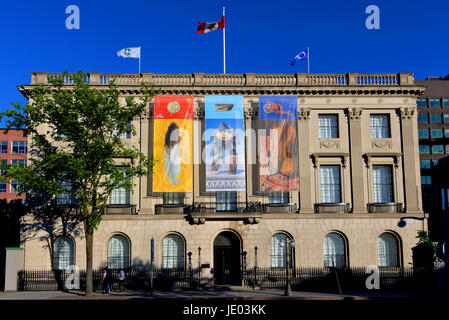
pixel 89 273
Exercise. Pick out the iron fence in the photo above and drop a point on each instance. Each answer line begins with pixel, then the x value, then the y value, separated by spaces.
pixel 136 279
pixel 302 278
pixel 329 278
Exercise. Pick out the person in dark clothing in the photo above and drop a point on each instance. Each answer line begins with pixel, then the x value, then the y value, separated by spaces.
pixel 105 281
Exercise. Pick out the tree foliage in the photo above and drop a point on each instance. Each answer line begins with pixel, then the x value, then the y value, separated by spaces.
pixel 75 145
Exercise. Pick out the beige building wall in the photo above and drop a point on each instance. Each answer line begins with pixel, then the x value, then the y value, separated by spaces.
pixel 353 98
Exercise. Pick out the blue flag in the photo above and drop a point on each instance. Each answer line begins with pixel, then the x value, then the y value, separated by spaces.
pixel 300 56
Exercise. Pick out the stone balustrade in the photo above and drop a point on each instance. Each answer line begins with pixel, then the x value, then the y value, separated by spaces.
pixel 236 80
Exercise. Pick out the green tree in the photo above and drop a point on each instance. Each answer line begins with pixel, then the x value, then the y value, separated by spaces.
pixel 75 147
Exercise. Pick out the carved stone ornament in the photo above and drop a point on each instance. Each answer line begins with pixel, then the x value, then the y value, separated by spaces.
pixel 329 144
pixel 407 112
pixel 251 113
pixel 198 114
pixel 381 144
pixel 304 113
pixel 355 113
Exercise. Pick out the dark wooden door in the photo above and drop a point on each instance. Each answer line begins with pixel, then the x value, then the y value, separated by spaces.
pixel 227 261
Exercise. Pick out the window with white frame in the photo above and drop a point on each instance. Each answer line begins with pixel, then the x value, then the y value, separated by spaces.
pixel 278 258
pixel 3 186
pixel 120 195
pixel 387 250
pixel 4 147
pixel 19 146
pixel 380 126
pixel 382 184
pixel 14 186
pixel 4 162
pixel 118 252
pixel 22 162
pixel 173 249
pixel 330 184
pixel 327 126
pixel 278 197
pixel 334 251
pixel 63 253
pixel 173 198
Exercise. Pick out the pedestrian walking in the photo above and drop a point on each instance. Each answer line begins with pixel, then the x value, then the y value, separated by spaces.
pixel 105 281
pixel 122 279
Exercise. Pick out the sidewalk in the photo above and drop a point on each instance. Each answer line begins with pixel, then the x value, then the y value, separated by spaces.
pixel 231 294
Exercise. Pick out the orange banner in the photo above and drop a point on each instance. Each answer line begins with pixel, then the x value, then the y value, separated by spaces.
pixel 173 144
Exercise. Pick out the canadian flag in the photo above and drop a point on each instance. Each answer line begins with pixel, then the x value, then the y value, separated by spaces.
pixel 205 27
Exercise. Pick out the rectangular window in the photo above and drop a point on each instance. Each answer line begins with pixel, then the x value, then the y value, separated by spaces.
pixel 436 117
pixel 437 149
pixel 380 126
pixel 423 118
pixel 4 147
pixel 327 126
pixel 435 102
pixel 19 146
pixel 423 133
pixel 446 103
pixel 422 103
pixel 4 162
pixel 23 163
pixel 14 186
pixel 437 133
pixel 330 184
pixel 173 197
pixel 278 197
pixel 435 163
pixel 424 148
pixel 226 201
pixel 382 184
pixel 124 135
pixel 446 118
pixel 2 186
pixel 447 148
pixel 120 195
pixel 425 164
pixel 446 133
pixel 426 180
pixel 68 197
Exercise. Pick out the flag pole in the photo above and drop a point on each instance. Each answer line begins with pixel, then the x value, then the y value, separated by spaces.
pixel 140 54
pixel 224 45
pixel 308 60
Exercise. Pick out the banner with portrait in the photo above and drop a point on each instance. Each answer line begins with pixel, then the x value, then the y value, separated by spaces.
pixel 278 143
pixel 173 144
pixel 224 143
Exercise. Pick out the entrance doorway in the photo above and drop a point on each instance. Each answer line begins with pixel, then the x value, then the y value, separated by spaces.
pixel 227 259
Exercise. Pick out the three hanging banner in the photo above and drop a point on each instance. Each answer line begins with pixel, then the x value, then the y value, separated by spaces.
pixel 173 144
pixel 224 154
pixel 225 143
pixel 278 143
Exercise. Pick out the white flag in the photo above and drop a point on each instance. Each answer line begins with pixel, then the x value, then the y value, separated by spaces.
pixel 129 52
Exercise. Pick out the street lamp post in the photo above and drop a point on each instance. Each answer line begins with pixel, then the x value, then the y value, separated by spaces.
pixel 288 244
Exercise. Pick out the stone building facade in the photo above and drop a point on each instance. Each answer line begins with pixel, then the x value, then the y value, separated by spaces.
pixel 363 228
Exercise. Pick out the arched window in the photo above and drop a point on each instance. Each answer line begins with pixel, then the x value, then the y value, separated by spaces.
pixel 387 250
pixel 278 257
pixel 118 252
pixel 64 253
pixel 334 251
pixel 173 252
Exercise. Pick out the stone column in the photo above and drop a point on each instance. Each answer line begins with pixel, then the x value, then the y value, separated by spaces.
pixel 305 175
pixel 412 184
pixel 198 116
pixel 357 168
pixel 251 151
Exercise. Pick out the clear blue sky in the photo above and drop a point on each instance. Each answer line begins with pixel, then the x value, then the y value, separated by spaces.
pixel 261 36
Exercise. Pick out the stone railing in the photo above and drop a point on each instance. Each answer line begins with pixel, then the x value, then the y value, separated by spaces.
pixel 236 80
